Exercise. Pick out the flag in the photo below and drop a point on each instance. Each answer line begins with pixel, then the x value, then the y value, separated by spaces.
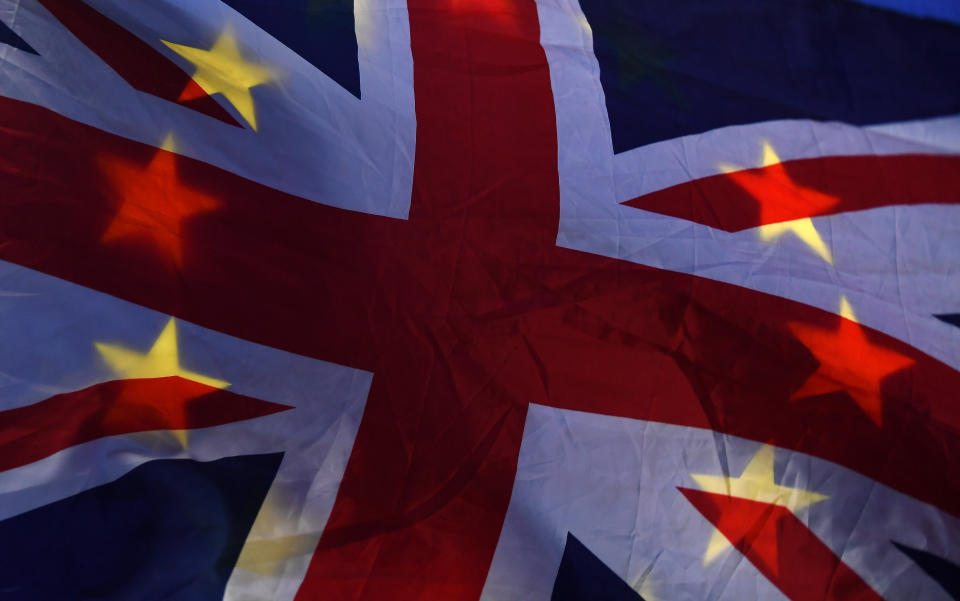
pixel 479 299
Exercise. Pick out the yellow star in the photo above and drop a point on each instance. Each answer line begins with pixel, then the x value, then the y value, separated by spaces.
pixel 169 143
pixel 268 557
pixel 846 309
pixel 222 69
pixel 161 361
pixel 803 229
pixel 646 590
pixel 266 552
pixel 775 187
pixel 756 484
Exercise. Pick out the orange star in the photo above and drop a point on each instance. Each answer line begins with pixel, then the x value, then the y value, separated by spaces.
pixel 785 206
pixel 849 363
pixel 780 198
pixel 154 202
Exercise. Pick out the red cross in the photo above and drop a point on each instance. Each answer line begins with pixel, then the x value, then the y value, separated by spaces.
pixel 466 313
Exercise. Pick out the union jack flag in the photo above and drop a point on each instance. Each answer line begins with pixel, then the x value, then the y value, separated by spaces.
pixel 468 300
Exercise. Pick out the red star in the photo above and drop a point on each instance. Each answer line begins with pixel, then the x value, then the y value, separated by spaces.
pixel 154 203
pixel 849 362
pixel 780 198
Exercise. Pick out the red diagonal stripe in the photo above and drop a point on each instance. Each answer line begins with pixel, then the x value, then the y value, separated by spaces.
pixel 30 433
pixel 796 189
pixel 782 548
pixel 134 60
